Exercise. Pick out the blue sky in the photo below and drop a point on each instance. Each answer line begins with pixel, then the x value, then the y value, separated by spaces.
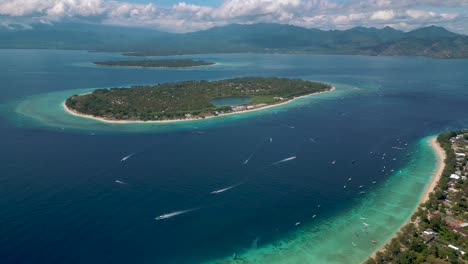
pixel 192 15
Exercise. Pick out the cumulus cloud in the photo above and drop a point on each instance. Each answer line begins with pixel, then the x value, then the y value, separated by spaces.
pixel 249 8
pixel 325 14
pixel 52 8
pixel 383 15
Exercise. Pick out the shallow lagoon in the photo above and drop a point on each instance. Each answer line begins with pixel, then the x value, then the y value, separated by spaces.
pixel 231 101
pixel 58 171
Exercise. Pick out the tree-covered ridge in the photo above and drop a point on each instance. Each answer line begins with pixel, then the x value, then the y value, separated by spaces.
pixel 190 99
pixel 259 38
pixel 175 63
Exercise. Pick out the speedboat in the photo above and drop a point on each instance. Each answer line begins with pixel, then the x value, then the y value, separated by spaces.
pixel 161 217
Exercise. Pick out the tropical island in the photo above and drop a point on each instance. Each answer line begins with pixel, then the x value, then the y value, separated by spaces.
pixel 438 230
pixel 189 100
pixel 175 63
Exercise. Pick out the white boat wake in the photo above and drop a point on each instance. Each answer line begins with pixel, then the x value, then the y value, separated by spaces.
pixel 127 157
pixel 249 158
pixel 284 160
pixel 170 215
pixel 120 182
pixel 225 189
pixel 397 148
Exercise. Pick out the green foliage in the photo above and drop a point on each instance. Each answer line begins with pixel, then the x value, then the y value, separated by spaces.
pixel 435 223
pixel 176 100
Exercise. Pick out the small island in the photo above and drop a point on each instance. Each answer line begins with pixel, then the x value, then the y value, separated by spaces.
pixel 176 63
pixel 189 100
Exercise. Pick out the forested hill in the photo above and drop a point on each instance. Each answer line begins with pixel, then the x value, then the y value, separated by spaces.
pixel 429 41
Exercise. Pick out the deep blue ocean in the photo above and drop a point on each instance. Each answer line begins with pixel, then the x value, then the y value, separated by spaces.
pixel 59 202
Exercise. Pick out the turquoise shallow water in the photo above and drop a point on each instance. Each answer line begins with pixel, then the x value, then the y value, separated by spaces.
pixel 384 209
pixel 61 203
pixel 46 110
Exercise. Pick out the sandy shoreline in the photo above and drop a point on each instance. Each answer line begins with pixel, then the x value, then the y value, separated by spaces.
pixel 429 187
pixel 73 112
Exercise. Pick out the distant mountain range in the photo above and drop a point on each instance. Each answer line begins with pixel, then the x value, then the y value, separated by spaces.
pixel 262 38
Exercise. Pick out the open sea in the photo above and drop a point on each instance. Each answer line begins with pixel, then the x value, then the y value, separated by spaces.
pixel 362 159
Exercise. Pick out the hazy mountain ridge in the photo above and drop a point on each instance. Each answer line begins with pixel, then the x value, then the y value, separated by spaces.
pixel 429 41
pixel 76 36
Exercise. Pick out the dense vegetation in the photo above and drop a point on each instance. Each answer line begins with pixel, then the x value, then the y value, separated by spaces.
pixel 182 63
pixel 413 246
pixel 187 99
pixel 263 38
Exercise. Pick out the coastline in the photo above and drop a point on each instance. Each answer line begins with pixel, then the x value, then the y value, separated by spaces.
pixel 161 67
pixel 75 113
pixel 430 186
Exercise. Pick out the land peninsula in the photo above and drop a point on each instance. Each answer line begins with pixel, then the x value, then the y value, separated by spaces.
pixel 176 63
pixel 188 100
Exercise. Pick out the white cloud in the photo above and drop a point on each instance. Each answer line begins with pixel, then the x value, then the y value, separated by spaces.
pixel 383 15
pixel 127 10
pixel 246 8
pixel 325 14
pixel 52 8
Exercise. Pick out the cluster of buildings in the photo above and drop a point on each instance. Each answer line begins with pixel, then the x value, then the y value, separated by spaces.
pixel 236 108
pixel 459 145
pixel 458 191
pixel 239 108
pixel 454 213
